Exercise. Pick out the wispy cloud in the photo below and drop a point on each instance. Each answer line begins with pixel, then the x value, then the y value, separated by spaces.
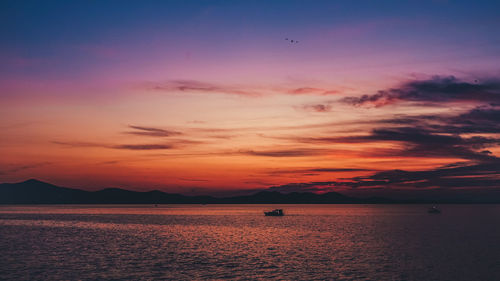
pixel 200 87
pixel 148 146
pixel 193 180
pixel 142 146
pixel 460 176
pixel 437 90
pixel 316 171
pixel 196 86
pixel 429 136
pixel 481 119
pixel 334 170
pixel 464 135
pixel 78 144
pixel 313 91
pixel 19 168
pixel 305 187
pixel 296 152
pixel 417 142
pixel 151 131
pixel 317 107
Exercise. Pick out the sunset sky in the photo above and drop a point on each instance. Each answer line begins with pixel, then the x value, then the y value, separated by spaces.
pixel 212 97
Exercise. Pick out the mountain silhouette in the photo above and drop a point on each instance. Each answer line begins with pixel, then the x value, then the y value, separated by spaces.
pixel 37 192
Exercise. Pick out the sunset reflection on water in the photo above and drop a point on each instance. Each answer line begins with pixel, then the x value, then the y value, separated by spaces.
pixel 343 242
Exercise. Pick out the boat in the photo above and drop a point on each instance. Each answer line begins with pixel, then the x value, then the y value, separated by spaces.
pixel 275 213
pixel 434 210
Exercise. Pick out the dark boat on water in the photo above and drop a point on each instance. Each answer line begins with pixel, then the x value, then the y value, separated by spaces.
pixel 275 213
pixel 434 210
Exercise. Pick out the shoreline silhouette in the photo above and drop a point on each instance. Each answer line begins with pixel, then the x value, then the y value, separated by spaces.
pixel 37 192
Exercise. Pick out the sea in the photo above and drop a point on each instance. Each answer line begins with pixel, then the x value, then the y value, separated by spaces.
pixel 237 242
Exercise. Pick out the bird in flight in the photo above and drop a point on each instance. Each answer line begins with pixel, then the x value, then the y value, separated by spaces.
pixel 292 41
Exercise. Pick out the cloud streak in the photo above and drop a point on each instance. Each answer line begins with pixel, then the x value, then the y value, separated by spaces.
pixel 466 135
pixel 20 168
pixel 458 176
pixel 313 91
pixel 430 136
pixel 142 146
pixel 316 171
pixel 437 90
pixel 196 86
pixel 116 146
pixel 151 131
pixel 317 107
pixel 298 152
pixel 201 87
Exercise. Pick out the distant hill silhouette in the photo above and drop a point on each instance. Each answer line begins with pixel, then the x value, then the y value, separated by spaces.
pixel 37 192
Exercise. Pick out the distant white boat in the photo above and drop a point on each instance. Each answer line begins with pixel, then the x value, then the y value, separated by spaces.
pixel 434 210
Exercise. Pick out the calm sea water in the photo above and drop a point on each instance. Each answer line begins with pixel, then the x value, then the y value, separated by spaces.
pixel 312 242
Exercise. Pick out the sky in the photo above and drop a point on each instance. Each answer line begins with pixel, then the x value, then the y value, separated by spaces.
pixel 212 97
